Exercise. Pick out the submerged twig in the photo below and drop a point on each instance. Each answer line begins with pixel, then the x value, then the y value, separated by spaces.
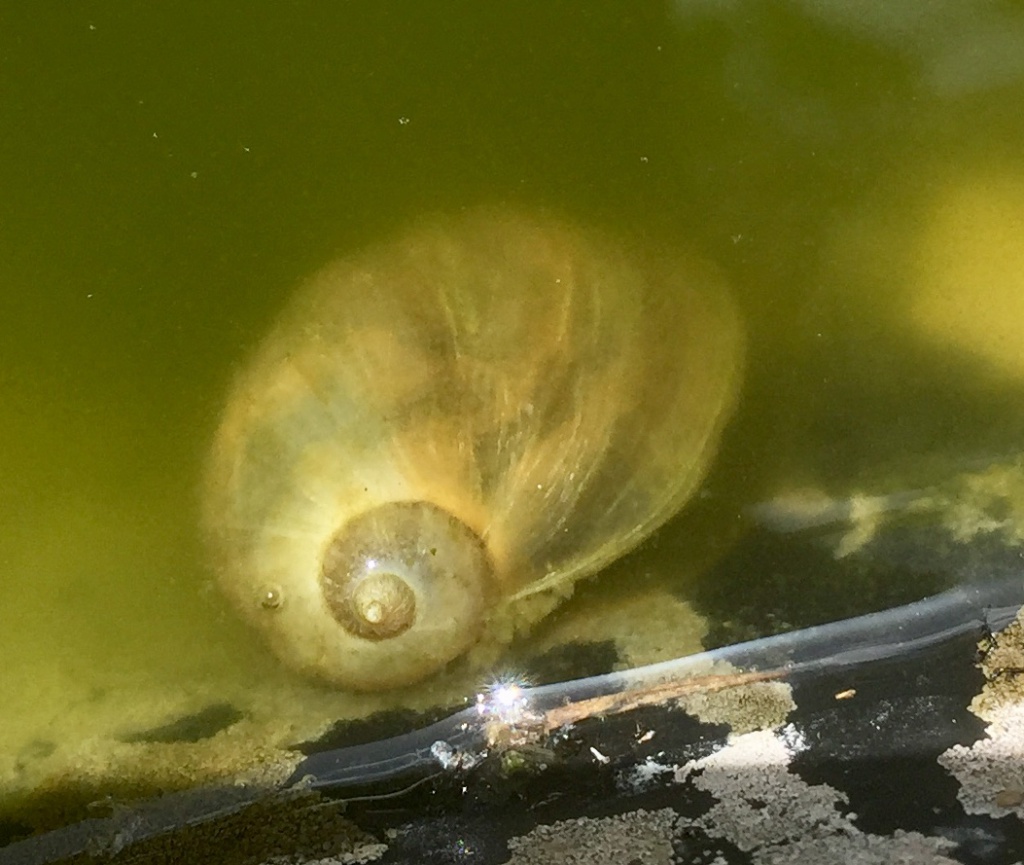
pixel 513 721
pixel 652 695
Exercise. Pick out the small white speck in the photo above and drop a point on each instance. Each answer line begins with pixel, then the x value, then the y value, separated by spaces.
pixel 194 175
pixel 646 774
pixel 452 758
pixel 246 149
pixel 88 296
pixel 155 135
pixel 403 121
pixel 793 738
pixel 443 753
pixel 92 26
pixel 644 159
pixel 601 758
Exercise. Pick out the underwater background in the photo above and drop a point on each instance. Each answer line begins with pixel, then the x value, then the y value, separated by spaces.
pixel 169 175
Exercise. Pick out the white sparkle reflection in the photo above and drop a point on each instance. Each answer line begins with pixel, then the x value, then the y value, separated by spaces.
pixel 505 700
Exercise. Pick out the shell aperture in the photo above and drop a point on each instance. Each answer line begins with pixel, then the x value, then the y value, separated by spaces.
pixel 442 434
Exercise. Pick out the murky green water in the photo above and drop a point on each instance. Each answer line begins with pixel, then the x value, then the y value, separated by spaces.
pixel 167 179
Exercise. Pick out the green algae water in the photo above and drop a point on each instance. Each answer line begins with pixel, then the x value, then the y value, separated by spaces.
pixel 168 179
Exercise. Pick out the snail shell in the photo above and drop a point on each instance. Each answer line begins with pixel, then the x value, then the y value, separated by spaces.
pixel 438 429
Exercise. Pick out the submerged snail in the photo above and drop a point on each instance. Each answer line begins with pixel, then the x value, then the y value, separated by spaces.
pixel 442 434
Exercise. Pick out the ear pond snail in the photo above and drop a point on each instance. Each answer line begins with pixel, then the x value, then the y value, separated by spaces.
pixel 442 434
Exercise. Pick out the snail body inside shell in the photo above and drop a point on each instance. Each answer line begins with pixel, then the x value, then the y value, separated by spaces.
pixel 483 410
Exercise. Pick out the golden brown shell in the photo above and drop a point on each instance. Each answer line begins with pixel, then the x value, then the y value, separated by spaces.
pixel 486 408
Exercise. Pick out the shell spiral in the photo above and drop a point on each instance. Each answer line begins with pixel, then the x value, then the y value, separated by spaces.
pixel 482 410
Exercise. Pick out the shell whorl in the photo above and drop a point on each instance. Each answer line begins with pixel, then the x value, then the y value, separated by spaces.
pixel 404 561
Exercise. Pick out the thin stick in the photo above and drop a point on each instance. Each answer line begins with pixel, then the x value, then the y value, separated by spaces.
pixel 652 695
